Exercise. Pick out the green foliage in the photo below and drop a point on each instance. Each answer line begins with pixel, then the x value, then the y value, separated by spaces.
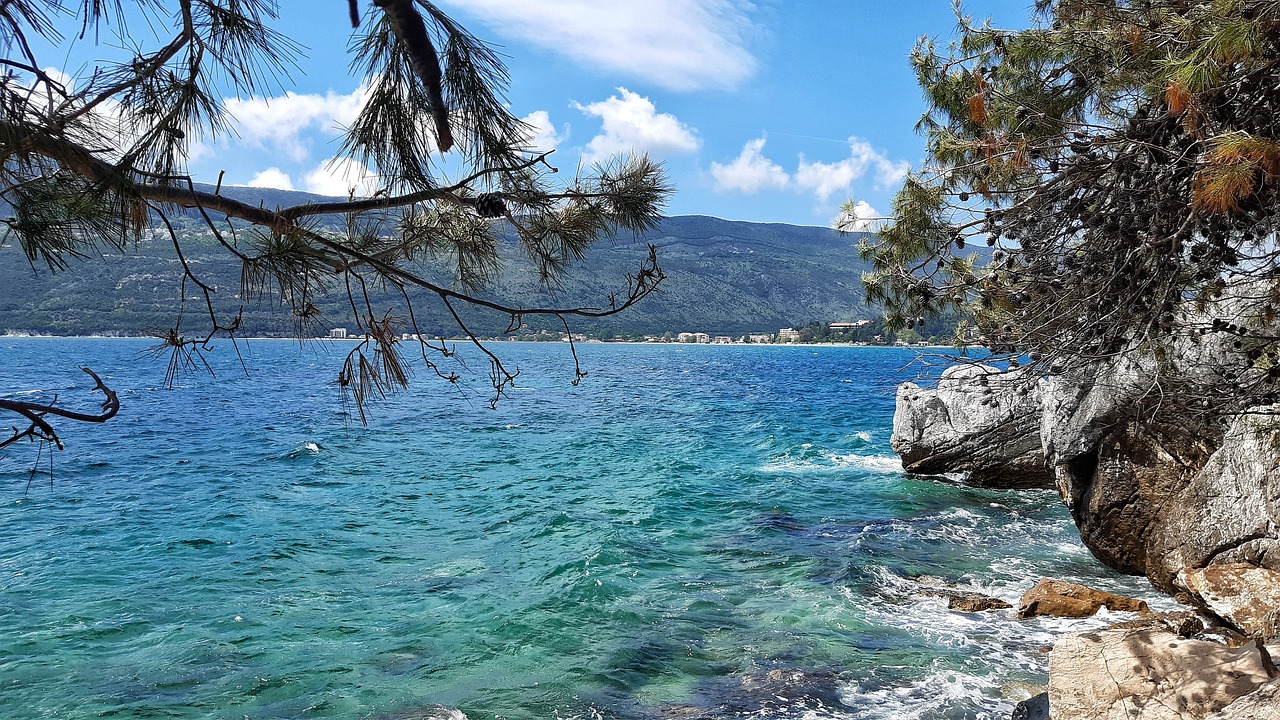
pixel 89 165
pixel 1119 156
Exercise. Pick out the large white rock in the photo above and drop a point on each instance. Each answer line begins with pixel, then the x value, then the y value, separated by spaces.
pixel 1148 673
pixel 1261 704
pixel 979 421
pixel 1229 512
pixel 1246 596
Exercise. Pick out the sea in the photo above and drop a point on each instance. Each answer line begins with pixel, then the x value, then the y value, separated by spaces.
pixel 692 531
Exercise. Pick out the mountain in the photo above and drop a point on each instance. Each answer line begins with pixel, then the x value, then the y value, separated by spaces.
pixel 723 277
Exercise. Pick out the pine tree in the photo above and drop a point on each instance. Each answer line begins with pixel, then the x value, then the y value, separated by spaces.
pixel 89 165
pixel 1122 161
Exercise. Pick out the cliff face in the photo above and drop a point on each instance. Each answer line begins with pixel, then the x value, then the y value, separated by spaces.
pixel 1152 491
pixel 1118 463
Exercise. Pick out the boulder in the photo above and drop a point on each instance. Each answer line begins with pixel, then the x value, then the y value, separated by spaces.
pixel 1149 674
pixel 973 602
pixel 1062 599
pixel 1261 704
pixel 1244 595
pixel 1228 511
pixel 1183 623
pixel 962 601
pixel 979 421
pixel 1153 487
pixel 1033 708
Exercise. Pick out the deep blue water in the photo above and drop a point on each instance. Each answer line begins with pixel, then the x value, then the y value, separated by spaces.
pixel 694 531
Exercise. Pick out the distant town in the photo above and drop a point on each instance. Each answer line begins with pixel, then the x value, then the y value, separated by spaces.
pixel 860 332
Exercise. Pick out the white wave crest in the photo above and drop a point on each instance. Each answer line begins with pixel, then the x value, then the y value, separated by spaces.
pixel 828 461
pixel 933 695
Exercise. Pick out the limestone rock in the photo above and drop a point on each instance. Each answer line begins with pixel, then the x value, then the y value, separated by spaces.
pixel 1246 596
pixel 962 601
pixel 1153 488
pixel 1152 497
pixel 1149 674
pixel 1033 708
pixel 1063 599
pixel 1261 704
pixel 973 602
pixel 1184 623
pixel 1227 512
pixel 1115 468
pixel 979 421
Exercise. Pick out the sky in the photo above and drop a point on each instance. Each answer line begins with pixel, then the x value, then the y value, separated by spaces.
pixel 760 110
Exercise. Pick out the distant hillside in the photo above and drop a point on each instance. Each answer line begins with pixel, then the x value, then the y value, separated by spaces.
pixel 722 277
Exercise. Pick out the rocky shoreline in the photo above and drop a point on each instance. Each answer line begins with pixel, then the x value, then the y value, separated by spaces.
pixel 1187 499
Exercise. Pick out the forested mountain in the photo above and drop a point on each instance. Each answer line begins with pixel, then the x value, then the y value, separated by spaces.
pixel 722 277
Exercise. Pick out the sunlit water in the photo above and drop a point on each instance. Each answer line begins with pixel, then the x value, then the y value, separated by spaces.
pixel 693 532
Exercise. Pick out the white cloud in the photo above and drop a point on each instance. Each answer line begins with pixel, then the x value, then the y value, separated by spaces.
pixel 750 172
pixel 338 177
pixel 890 174
pixel 826 179
pixel 676 44
pixel 272 177
pixel 858 217
pixel 67 82
pixel 631 124
pixel 543 135
pixel 281 121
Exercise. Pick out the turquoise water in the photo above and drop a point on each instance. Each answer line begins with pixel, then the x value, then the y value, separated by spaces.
pixel 694 531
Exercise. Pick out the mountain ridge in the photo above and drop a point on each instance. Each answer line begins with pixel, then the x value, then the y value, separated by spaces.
pixel 722 277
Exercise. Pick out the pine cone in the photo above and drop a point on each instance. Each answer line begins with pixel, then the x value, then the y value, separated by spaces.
pixel 490 205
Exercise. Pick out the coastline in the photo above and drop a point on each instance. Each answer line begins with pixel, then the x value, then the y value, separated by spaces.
pixel 508 340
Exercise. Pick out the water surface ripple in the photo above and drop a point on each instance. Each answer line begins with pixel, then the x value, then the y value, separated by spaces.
pixel 693 532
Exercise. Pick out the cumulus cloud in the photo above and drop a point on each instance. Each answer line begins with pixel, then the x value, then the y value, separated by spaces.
pixel 631 124
pixel 676 44
pixel 750 172
pixel 544 135
pixel 272 177
pixel 339 177
pixel 280 122
pixel 858 217
pixel 826 179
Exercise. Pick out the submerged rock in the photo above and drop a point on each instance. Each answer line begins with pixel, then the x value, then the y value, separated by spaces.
pixel 1062 599
pixel 1149 674
pixel 1246 596
pixel 429 712
pixel 978 421
pixel 780 692
pixel 973 602
pixel 965 601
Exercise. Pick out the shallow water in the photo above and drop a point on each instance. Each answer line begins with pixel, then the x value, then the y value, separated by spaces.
pixel 694 531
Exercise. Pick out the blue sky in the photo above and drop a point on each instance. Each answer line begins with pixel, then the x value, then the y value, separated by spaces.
pixel 761 110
